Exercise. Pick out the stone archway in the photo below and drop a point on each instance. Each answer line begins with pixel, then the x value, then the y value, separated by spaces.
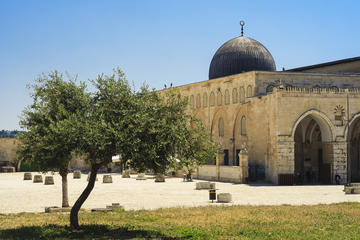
pixel 354 150
pixel 312 137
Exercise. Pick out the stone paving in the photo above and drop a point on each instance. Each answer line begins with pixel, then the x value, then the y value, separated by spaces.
pixel 18 195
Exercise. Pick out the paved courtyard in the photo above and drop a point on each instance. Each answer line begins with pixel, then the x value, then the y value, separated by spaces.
pixel 17 195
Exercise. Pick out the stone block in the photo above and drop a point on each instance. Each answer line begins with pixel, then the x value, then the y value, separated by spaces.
pixel 27 176
pixel 49 180
pixel 7 169
pixel 114 206
pixel 101 210
pixel 224 197
pixel 77 174
pixel 38 179
pixel 57 209
pixel 107 179
pixel 204 185
pixel 159 178
pixel 356 190
pixel 141 176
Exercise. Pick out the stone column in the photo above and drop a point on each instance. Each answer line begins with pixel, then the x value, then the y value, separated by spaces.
pixel 339 163
pixel 244 165
pixel 285 161
pixel 219 161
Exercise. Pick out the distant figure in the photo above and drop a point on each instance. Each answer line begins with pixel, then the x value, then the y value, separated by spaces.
pixel 171 85
pixel 164 85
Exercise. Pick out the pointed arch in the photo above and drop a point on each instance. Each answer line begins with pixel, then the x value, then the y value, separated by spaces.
pixel 221 127
pixel 219 98
pixel 243 126
pixel 212 99
pixel 242 94
pixel 227 97
pixel 326 127
pixel 234 96
pixel 249 92
pixel 205 100
pixel 198 101
pixel 192 101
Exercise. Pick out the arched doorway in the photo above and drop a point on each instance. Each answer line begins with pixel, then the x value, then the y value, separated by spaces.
pixel 311 150
pixel 354 151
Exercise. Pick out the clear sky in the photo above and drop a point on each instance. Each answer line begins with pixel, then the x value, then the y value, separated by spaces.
pixel 160 41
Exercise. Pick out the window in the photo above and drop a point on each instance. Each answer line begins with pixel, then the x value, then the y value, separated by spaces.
pixel 227 97
pixel 198 101
pixel 219 98
pixel 242 94
pixel 205 100
pixel 186 98
pixel 221 127
pixel 212 99
pixel 243 126
pixel 249 91
pixel 192 101
pixel 234 96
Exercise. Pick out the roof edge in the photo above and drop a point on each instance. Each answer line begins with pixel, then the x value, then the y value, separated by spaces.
pixel 346 60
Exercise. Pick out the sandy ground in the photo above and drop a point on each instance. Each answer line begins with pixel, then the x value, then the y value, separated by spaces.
pixel 17 195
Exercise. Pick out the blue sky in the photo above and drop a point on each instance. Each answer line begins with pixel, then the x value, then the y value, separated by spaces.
pixel 159 41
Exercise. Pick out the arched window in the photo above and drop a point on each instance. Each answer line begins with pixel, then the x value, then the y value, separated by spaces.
pixel 186 98
pixel 234 96
pixel 249 91
pixel 219 98
pixel 205 100
pixel 227 97
pixel 192 101
pixel 242 94
pixel 221 127
pixel 198 101
pixel 212 99
pixel 243 126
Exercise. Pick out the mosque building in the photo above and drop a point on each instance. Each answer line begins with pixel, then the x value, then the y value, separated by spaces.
pixel 296 126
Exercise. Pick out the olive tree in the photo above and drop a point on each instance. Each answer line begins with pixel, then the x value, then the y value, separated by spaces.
pixel 50 124
pixel 197 147
pixel 104 128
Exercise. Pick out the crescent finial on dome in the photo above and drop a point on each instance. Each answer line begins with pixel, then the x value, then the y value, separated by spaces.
pixel 242 23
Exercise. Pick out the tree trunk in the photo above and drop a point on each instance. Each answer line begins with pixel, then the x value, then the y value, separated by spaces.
pixel 65 195
pixel 74 220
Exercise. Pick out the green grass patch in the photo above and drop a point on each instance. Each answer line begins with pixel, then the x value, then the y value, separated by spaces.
pixel 334 221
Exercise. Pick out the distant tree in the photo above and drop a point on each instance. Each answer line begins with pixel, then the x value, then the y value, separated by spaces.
pixel 197 147
pixel 52 125
pixel 8 133
pixel 160 123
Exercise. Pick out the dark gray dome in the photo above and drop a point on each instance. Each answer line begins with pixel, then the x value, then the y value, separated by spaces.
pixel 241 54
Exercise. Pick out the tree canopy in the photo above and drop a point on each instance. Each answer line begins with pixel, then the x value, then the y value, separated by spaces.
pixel 52 124
pixel 148 128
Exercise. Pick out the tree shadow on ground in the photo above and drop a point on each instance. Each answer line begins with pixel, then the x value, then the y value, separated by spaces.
pixel 85 232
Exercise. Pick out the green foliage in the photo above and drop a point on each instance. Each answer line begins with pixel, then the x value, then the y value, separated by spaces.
pixel 105 126
pixel 157 130
pixel 51 122
pixel 197 147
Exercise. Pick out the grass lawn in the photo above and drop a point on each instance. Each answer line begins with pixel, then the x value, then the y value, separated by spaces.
pixel 335 221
